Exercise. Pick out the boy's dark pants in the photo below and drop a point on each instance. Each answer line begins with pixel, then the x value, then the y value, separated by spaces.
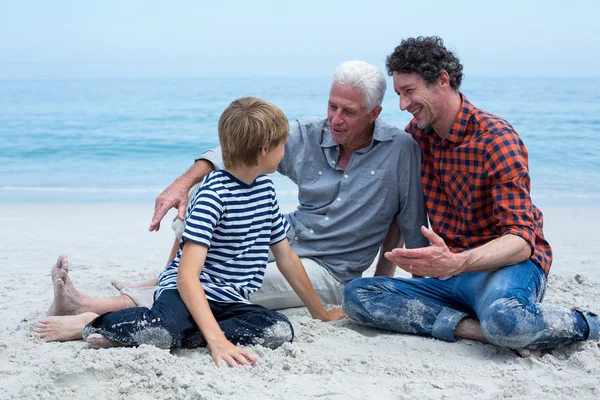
pixel 169 324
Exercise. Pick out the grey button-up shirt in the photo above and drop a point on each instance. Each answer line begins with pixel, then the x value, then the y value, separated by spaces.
pixel 344 214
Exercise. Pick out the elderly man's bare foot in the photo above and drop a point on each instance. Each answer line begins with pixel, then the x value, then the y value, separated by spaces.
pixel 62 328
pixel 62 264
pixel 97 341
pixel 67 300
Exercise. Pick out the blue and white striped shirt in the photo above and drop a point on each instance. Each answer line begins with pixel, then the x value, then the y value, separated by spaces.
pixel 238 223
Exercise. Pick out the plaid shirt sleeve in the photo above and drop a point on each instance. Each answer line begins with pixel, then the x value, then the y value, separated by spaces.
pixel 506 159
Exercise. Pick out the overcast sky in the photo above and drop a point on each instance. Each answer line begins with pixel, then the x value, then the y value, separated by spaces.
pixel 137 39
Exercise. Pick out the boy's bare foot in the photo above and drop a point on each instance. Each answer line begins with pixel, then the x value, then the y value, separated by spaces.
pixel 97 341
pixel 62 328
pixel 67 300
pixel 120 285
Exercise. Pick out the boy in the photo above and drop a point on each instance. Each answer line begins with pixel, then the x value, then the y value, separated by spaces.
pixel 232 222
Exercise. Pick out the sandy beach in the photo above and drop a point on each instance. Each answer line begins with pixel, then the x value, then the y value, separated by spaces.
pixel 339 360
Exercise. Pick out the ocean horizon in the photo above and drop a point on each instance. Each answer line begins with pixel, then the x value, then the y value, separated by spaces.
pixel 124 140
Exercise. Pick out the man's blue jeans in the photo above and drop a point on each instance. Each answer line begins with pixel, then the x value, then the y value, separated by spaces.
pixel 506 302
pixel 169 324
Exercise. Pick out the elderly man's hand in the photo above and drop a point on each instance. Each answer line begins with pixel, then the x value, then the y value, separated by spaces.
pixel 436 260
pixel 175 196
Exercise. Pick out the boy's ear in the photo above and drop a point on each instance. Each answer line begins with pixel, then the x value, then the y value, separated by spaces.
pixel 263 151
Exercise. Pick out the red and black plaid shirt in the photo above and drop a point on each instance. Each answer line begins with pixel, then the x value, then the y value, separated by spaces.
pixel 476 184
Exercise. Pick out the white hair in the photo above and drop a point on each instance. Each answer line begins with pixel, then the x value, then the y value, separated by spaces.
pixel 364 77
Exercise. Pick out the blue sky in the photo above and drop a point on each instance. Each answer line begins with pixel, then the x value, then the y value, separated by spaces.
pixel 136 39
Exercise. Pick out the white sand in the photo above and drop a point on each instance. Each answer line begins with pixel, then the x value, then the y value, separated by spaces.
pixel 333 361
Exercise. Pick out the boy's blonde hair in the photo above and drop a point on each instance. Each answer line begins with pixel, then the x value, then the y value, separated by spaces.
pixel 247 125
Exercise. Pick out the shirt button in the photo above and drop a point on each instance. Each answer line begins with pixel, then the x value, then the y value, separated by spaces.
pixel 311 231
pixel 326 218
pixel 372 172
pixel 346 176
pixel 320 172
pixel 296 238
pixel 339 199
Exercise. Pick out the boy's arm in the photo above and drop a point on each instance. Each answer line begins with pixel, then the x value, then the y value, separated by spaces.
pixel 292 269
pixel 192 293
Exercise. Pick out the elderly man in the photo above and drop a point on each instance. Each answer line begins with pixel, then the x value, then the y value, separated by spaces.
pixel 488 262
pixel 356 175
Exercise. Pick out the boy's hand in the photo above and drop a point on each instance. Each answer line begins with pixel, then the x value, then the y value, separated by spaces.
pixel 332 315
pixel 225 351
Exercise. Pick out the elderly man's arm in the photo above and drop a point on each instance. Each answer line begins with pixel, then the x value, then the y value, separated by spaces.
pixel 411 209
pixel 176 195
pixel 393 240
pixel 412 213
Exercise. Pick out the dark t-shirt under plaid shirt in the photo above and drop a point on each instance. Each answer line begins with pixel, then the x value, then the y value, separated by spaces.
pixel 476 184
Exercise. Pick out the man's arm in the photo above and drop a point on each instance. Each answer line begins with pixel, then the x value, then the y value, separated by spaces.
pixel 192 293
pixel 176 195
pixel 393 240
pixel 292 269
pixel 509 177
pixel 437 260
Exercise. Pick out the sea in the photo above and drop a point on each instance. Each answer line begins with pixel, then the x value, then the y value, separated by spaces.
pixel 124 140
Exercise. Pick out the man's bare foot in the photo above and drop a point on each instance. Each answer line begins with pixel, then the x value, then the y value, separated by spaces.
pixel 67 300
pixel 62 328
pixel 62 264
pixel 526 353
pixel 97 341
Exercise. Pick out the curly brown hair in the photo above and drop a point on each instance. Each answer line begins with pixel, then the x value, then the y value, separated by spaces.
pixel 427 57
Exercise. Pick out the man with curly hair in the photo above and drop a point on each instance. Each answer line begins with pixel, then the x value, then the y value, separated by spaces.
pixel 488 261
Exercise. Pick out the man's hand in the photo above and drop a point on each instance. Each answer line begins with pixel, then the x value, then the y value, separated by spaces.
pixel 175 196
pixel 436 260
pixel 231 354
pixel 332 315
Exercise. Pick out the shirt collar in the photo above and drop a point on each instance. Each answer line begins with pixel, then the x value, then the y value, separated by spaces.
pixel 379 135
pixel 459 128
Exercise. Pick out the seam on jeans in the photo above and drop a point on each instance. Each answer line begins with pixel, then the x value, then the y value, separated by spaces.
pixel 459 278
pixel 542 286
